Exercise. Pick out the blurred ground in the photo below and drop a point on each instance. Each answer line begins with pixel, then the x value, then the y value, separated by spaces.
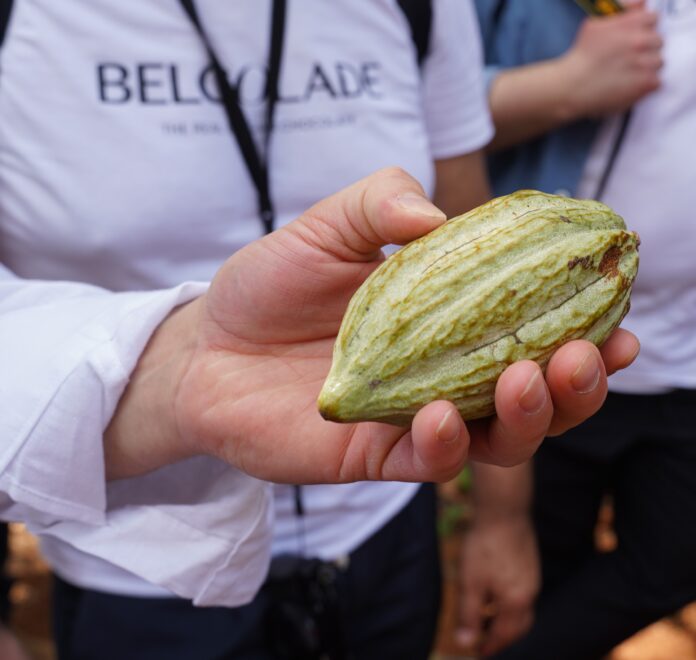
pixel 670 639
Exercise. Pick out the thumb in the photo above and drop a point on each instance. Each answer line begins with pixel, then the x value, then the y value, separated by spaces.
pixel 389 206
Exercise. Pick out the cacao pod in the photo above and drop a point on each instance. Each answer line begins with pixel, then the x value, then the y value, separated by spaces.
pixel 442 318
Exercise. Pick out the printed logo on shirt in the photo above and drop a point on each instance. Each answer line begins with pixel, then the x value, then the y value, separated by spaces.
pixel 162 84
pixel 157 83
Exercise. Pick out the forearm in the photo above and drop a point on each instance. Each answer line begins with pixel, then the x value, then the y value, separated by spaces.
pixel 501 493
pixel 528 101
pixel 143 435
pixel 461 183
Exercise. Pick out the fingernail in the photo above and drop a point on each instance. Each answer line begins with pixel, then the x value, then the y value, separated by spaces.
pixel 533 398
pixel 586 377
pixel 449 428
pixel 414 203
pixel 466 637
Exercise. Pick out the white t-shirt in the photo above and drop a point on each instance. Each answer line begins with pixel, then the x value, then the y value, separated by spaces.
pixel 117 169
pixel 653 186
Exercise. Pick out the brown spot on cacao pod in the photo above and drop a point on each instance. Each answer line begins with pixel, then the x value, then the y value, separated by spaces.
pixel 609 265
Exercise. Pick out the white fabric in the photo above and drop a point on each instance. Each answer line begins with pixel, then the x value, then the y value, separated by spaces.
pixel 80 343
pixel 652 186
pixel 117 169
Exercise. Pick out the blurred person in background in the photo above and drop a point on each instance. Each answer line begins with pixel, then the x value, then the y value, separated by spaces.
pixel 605 108
pixel 140 145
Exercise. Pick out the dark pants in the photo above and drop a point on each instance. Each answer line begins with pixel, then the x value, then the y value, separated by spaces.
pixel 642 451
pixel 389 596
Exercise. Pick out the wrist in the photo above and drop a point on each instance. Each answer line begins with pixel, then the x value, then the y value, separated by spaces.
pixel 143 433
pixel 530 100
pixel 572 75
pixel 491 517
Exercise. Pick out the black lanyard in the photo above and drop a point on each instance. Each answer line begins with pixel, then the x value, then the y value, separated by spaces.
pixel 256 163
pixel 613 154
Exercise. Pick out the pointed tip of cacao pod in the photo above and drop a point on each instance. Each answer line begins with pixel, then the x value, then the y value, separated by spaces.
pixel 328 412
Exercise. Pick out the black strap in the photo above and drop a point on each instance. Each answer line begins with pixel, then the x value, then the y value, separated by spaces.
pixel 611 161
pixel 419 14
pixel 256 163
pixel 498 12
pixel 489 28
pixel 5 10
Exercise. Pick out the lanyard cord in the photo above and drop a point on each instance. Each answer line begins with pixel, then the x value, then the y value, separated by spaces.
pixel 613 154
pixel 256 163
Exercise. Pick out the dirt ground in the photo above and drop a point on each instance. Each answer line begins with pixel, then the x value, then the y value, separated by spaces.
pixel 670 639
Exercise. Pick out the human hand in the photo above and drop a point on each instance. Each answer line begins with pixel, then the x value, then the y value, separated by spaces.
pixel 236 373
pixel 499 579
pixel 614 61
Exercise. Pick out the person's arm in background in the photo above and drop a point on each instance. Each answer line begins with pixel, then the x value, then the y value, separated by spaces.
pixel 613 62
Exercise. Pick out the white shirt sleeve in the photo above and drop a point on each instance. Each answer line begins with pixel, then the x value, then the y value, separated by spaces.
pixel 67 350
pixel 456 107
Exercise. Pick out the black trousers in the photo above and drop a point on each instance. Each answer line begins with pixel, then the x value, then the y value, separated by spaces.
pixel 642 451
pixel 389 601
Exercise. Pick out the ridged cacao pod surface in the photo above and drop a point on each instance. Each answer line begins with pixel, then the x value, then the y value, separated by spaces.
pixel 442 318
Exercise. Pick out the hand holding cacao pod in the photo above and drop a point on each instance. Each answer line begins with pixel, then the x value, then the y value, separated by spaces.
pixel 236 373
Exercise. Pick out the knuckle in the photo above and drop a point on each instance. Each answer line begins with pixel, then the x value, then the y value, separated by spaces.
pixel 394 172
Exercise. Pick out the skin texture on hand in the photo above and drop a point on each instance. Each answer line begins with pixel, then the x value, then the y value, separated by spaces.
pixel 236 373
pixel 613 63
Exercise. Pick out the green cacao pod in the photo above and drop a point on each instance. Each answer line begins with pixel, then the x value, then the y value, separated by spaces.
pixel 511 280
